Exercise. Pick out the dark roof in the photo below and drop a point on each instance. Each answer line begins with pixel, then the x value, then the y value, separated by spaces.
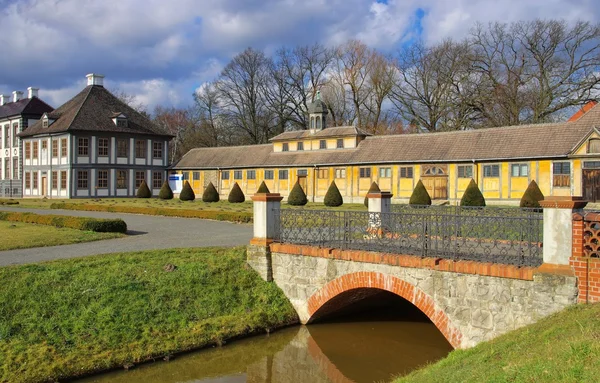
pixel 30 106
pixel 93 110
pixel 338 131
pixel 555 140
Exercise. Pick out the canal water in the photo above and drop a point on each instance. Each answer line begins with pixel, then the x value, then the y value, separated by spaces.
pixel 372 345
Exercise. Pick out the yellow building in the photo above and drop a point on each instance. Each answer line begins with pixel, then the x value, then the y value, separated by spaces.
pixel 563 158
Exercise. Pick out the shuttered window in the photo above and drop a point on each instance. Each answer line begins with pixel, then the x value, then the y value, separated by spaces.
pixel 561 174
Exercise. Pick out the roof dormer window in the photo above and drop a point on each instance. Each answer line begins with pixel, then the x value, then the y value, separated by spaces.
pixel 46 122
pixel 120 120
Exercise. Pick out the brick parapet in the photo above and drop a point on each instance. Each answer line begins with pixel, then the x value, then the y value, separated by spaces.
pixel 585 266
pixel 411 261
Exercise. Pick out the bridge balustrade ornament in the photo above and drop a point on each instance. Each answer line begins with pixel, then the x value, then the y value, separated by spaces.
pixel 508 236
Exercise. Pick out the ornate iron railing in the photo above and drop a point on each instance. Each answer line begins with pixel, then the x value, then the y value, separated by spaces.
pixel 513 237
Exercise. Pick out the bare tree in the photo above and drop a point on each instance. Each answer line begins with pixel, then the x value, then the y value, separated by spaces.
pixel 381 79
pixel 176 122
pixel 131 100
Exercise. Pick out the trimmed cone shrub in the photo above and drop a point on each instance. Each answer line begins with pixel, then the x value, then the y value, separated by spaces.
pixel 420 196
pixel 333 197
pixel 297 196
pixel 472 196
pixel 373 189
pixel 263 188
pixel 165 191
pixel 532 196
pixel 144 190
pixel 210 194
pixel 236 195
pixel 187 193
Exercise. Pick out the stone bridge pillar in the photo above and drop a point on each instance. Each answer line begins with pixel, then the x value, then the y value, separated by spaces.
pixel 266 211
pixel 379 202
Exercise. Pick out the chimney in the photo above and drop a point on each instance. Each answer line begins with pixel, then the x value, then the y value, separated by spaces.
pixel 95 79
pixel 17 95
pixel 4 99
pixel 32 92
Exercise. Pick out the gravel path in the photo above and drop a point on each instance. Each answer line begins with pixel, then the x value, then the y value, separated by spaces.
pixel 145 232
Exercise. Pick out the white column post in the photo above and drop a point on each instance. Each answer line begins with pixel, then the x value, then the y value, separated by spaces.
pixel 379 202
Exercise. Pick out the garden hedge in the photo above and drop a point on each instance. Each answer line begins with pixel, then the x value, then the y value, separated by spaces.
pixel 242 217
pixel 333 197
pixel 420 196
pixel 373 189
pixel 187 193
pixel 236 195
pixel 472 195
pixel 297 196
pixel 80 223
pixel 532 196
pixel 144 191
pixel 210 194
pixel 263 188
pixel 165 191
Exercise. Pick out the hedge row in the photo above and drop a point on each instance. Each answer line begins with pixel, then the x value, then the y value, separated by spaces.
pixel 80 223
pixel 242 217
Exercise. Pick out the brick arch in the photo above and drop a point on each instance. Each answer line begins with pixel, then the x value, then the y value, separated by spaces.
pixel 394 285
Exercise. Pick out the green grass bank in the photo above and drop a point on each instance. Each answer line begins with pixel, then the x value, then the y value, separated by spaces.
pixel 563 347
pixel 72 317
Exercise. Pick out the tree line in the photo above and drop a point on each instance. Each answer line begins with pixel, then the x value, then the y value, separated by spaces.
pixel 500 74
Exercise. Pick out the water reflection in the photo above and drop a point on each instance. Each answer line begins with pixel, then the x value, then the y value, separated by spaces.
pixel 359 351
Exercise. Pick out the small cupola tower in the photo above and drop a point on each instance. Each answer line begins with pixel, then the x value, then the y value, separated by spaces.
pixel 317 114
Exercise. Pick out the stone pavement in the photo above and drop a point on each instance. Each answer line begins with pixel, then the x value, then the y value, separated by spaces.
pixel 145 232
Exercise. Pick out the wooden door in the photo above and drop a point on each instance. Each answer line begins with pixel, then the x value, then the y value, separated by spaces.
pixel 437 187
pixel 44 186
pixel 591 185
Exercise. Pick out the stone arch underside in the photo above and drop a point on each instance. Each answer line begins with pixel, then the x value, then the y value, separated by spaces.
pixel 365 280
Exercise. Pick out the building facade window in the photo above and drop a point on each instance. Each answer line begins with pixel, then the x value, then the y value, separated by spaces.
pixel 225 175
pixel 15 167
pixel 140 148
pixel 28 150
pixel 27 180
pixel 35 179
pixel 406 172
pixel 339 143
pixel 122 147
pixel 121 179
pixel 157 180
pixel 63 147
pixel 594 145
pixel 196 176
pixel 83 147
pixel 102 179
pixel 186 176
pixel 269 174
pixel 491 171
pixel 300 146
pixel 283 174
pixel 237 174
pixel 519 170
pixel 82 179
pixel 54 148
pixel 15 137
pixel 35 150
pixel 302 172
pixel 285 147
pixel 323 174
pixel 63 179
pixel 340 173
pixel 322 144
pixel 7 135
pixel 7 168
pixel 561 174
pixel 157 149
pixel 140 176
pixel 103 147
pixel 364 172
pixel 54 180
pixel 250 174
pixel 385 172
pixel 465 171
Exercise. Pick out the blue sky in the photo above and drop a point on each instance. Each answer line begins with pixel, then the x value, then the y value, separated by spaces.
pixel 161 51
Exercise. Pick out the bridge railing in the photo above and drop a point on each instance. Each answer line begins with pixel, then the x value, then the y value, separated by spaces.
pixel 508 236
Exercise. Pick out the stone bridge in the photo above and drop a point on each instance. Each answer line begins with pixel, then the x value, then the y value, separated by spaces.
pixel 468 301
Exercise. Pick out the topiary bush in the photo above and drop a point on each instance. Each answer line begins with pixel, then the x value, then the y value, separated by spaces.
pixel 419 196
pixel 532 196
pixel 165 191
pixel 144 191
pixel 297 196
pixel 187 193
pixel 210 194
pixel 333 197
pixel 373 189
pixel 236 195
pixel 472 196
pixel 263 188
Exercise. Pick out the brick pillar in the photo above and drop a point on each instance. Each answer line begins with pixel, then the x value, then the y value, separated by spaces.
pixel 258 253
pixel 585 259
pixel 379 202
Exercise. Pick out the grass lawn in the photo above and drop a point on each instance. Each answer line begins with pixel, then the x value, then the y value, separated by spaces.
pixel 561 348
pixel 17 235
pixel 70 317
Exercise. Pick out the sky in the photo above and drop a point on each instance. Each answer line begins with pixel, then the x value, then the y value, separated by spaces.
pixel 161 51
